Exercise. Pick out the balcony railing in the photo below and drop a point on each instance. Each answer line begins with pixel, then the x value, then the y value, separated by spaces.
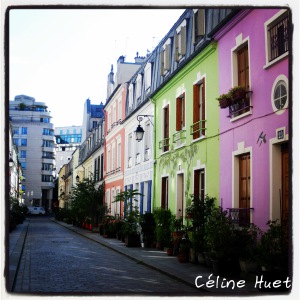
pixel 198 129
pixel 179 136
pixel 240 216
pixel 164 144
pixel 241 106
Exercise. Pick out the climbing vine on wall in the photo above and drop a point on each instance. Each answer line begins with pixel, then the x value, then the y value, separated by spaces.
pixel 171 160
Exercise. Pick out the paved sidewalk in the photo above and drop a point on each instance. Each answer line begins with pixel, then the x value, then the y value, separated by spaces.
pixel 169 265
pixel 16 243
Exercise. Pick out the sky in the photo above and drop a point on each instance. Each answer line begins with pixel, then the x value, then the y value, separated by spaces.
pixel 63 56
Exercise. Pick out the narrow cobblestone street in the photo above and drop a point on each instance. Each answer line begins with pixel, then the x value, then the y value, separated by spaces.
pixel 57 260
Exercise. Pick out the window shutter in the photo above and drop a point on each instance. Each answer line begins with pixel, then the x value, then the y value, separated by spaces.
pixel 176 38
pixel 183 110
pixel 183 41
pixel 167 57
pixel 162 56
pixel 200 22
pixel 178 114
pixel 196 183
pixel 196 103
pixel 243 68
pixel 203 106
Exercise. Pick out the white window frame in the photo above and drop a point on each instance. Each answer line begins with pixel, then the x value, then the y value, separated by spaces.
pixel 276 81
pixel 267 39
pixel 198 19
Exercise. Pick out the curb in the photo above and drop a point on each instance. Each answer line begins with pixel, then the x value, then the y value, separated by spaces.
pixel 15 258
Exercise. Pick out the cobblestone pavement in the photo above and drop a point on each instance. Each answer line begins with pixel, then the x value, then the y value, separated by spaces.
pixel 56 260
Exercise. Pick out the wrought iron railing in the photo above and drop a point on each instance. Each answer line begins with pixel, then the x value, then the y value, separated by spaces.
pixel 240 216
pixel 179 136
pixel 164 144
pixel 198 129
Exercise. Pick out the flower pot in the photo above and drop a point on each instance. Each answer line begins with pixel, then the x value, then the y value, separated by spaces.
pixel 132 241
pixel 224 102
pixel 182 257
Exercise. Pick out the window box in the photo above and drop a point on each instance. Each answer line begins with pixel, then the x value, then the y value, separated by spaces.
pixel 237 93
pixel 224 100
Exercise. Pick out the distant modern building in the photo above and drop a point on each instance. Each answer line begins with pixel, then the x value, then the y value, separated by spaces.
pixel 68 139
pixel 33 134
pixel 92 113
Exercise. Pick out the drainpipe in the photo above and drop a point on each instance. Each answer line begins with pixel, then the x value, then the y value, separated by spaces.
pixel 154 155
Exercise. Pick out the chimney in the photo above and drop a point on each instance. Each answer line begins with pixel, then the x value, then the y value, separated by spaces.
pixel 139 59
pixel 121 59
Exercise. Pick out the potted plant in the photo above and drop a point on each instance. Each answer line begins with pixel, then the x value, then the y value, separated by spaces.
pixel 131 227
pixel 184 249
pixel 273 251
pixel 237 93
pixel 163 220
pixel 224 100
pixel 199 210
pixel 147 222
pixel 222 242
pixel 248 245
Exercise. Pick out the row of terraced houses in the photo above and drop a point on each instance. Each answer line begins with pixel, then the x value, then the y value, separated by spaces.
pixel 191 145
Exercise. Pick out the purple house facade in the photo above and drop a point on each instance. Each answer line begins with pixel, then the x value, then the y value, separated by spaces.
pixel 254 128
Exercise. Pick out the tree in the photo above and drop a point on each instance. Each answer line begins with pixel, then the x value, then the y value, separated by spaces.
pixel 87 201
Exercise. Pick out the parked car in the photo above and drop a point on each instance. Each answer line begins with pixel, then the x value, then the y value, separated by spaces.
pixel 36 210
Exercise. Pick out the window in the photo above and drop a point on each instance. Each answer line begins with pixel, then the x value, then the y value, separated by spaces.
pixel 198 127
pixel 165 58
pixel 129 150
pixel 16 142
pixel 48 154
pixel 198 25
pixel 108 161
pixel 180 42
pixel 47 143
pixel 23 154
pixel 138 87
pixel 119 156
pixel 199 184
pixel 147 77
pixel 180 112
pixel 147 142
pixel 165 143
pixel 47 178
pixel 130 96
pixel 24 142
pixel 119 111
pixel 47 167
pixel 277 31
pixel 60 131
pixel 94 124
pixel 244 188
pixel 279 94
pixel 101 169
pixel 74 131
pixel 16 131
pixel 47 131
pixel 242 105
pixel 23 165
pixel 164 192
pixel 24 130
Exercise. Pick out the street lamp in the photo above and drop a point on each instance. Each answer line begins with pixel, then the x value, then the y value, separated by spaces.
pixel 139 133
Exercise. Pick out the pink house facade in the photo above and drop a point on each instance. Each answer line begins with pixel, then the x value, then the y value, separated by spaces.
pixel 254 131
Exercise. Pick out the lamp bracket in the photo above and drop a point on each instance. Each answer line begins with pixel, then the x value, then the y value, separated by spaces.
pixel 141 117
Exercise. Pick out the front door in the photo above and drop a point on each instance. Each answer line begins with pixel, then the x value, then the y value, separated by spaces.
pixel 244 190
pixel 285 184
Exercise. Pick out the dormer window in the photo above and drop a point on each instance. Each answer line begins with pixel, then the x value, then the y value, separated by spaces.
pixel 166 58
pixel 130 96
pixel 198 25
pixel 138 87
pixel 147 77
pixel 180 41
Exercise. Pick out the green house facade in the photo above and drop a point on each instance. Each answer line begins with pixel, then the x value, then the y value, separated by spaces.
pixel 186 141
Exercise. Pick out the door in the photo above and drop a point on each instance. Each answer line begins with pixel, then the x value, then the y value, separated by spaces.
pixel 244 189
pixel 164 192
pixel 285 184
